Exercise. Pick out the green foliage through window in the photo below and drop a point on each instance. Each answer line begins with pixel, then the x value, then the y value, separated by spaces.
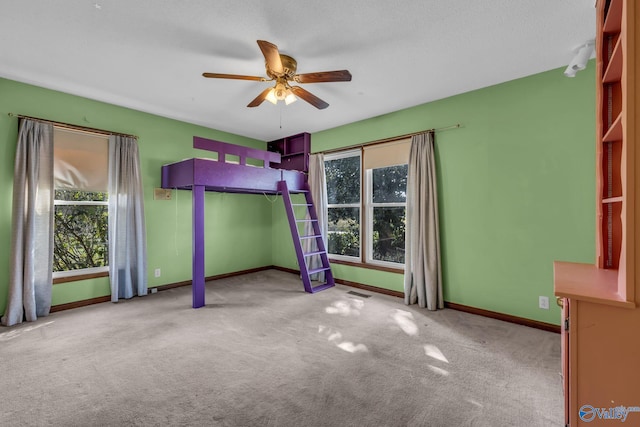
pixel 389 187
pixel 388 234
pixel 384 209
pixel 344 231
pixel 343 194
pixel 390 184
pixel 343 180
pixel 80 230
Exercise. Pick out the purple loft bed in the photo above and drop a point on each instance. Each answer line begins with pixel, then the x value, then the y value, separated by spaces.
pixel 230 173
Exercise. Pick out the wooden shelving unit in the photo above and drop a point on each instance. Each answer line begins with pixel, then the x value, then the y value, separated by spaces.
pixel 613 18
pixel 294 151
pixel 614 133
pixel 613 74
pixel 601 301
pixel 610 137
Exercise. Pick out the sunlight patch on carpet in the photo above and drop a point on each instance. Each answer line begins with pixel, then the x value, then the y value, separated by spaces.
pixel 335 337
pixel 475 403
pixel 404 319
pixel 345 308
pixel 17 332
pixel 433 351
pixel 438 371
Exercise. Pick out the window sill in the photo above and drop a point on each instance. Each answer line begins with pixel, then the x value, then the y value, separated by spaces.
pixel 368 266
pixel 78 277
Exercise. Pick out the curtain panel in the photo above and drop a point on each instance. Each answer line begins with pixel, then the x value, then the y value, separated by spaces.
pixel 423 275
pixel 30 275
pixel 127 235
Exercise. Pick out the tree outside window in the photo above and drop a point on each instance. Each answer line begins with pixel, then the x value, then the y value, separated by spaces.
pixel 387 213
pixel 343 195
pixel 80 230
pixel 81 218
pixel 379 219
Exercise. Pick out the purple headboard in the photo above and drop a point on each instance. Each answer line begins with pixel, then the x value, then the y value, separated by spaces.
pixel 223 148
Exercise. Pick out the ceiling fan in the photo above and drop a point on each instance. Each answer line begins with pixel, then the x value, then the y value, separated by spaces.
pixel 282 69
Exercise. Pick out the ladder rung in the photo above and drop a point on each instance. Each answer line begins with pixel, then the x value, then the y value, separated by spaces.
pixel 298 239
pixel 313 253
pixel 311 236
pixel 318 270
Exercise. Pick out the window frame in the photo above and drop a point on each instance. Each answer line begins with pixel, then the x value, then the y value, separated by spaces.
pixel 366 206
pixel 370 205
pixel 91 272
pixel 337 156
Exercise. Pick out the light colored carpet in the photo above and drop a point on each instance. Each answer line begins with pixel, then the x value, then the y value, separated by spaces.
pixel 264 353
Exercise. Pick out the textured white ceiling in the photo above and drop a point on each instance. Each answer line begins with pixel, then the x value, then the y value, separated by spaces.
pixel 150 54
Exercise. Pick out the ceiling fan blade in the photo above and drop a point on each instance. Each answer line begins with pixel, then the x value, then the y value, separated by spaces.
pixel 258 100
pixel 324 76
pixel 309 97
pixel 271 56
pixel 233 76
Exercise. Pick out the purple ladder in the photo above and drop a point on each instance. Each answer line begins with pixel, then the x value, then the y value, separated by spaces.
pixel 321 251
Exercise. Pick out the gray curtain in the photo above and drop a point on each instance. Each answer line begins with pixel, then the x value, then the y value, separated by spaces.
pixel 30 276
pixel 127 236
pixel 318 186
pixel 422 276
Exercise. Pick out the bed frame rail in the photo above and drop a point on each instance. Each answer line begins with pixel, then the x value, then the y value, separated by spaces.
pixel 230 172
pixel 243 153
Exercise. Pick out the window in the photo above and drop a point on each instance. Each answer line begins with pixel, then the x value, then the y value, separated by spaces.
pixel 382 169
pixel 387 207
pixel 80 232
pixel 343 196
pixel 80 203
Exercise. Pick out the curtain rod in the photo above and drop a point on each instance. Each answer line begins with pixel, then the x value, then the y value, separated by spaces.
pixel 391 139
pixel 74 127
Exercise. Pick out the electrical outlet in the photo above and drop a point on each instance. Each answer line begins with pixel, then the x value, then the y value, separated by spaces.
pixel 543 302
pixel 157 274
pixel 153 290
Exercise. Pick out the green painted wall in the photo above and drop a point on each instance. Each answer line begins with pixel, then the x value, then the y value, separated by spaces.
pixel 234 223
pixel 516 189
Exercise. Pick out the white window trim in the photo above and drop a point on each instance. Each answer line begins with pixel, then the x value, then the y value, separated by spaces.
pixel 366 213
pixel 81 202
pixel 369 205
pixel 347 257
pixel 82 271
pixel 343 154
pixel 337 156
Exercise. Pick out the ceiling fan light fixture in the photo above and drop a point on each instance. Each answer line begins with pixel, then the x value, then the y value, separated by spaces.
pixel 271 96
pixel 290 98
pixel 280 91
